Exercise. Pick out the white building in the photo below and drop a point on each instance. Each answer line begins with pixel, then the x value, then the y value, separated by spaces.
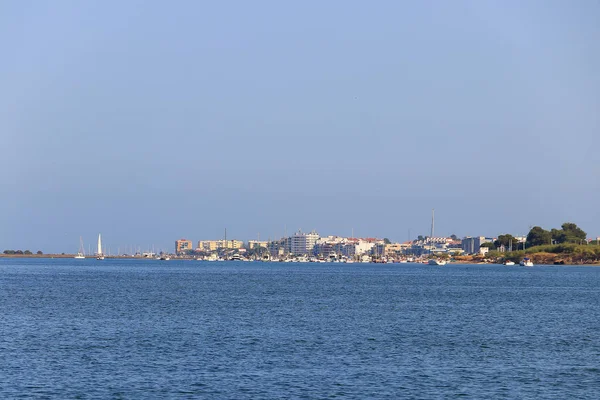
pixel 303 243
pixel 363 247
pixel 471 245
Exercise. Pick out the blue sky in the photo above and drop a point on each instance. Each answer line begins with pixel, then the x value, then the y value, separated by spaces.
pixel 152 121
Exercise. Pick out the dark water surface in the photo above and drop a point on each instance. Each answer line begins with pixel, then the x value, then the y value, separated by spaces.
pixel 189 329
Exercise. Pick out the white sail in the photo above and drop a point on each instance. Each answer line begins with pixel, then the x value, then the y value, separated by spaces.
pixel 99 245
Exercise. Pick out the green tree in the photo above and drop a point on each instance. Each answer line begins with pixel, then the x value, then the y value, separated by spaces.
pixel 420 237
pixel 39 252
pixel 538 237
pixel 573 233
pixel 9 252
pixel 570 233
pixel 558 235
pixel 505 240
pixel 489 245
pixel 386 241
pixel 28 252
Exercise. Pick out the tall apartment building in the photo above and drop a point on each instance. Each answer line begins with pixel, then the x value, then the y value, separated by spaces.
pixel 279 247
pixel 468 245
pixel 182 245
pixel 303 243
pixel 471 245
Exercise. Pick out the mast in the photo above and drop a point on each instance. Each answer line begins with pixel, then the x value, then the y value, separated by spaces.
pixel 432 230
pixel 99 244
pixel 432 222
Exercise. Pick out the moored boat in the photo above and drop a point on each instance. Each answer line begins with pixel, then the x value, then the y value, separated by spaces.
pixel 526 262
pixel 434 261
pixel 81 252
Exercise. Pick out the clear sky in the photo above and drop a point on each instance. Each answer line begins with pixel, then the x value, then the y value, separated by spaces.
pixel 150 121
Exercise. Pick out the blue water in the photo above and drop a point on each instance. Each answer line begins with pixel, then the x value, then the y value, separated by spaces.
pixel 189 329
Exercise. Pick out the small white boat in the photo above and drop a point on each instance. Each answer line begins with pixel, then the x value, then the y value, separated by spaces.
pixel 509 263
pixel 526 262
pixel 434 261
pixel 81 252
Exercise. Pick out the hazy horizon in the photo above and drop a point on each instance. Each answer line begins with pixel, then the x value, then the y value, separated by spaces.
pixel 153 121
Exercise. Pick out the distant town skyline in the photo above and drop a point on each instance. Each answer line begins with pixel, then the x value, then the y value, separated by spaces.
pixel 156 247
pixel 152 121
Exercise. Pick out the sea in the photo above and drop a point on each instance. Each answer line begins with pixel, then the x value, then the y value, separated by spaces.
pixel 149 329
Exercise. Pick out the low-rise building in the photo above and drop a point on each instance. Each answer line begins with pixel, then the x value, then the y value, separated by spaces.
pixel 256 244
pixel 394 249
pixel 207 245
pixel 213 245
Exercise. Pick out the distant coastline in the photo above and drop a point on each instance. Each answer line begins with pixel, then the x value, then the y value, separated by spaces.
pixel 466 260
pixel 60 256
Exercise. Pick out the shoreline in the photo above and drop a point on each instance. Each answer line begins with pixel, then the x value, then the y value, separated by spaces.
pixel 72 256
pixel 67 256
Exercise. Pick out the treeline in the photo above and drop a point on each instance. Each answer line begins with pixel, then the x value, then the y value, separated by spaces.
pixel 567 253
pixel 569 233
pixel 566 245
pixel 537 236
pixel 21 252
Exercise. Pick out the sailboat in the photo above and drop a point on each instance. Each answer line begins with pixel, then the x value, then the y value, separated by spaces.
pixel 433 261
pixel 81 252
pixel 99 254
